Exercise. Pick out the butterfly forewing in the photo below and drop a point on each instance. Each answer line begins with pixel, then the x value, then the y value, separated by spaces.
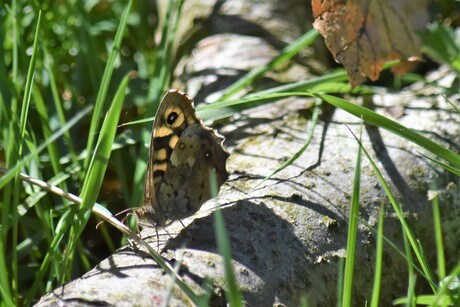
pixel 177 179
pixel 174 114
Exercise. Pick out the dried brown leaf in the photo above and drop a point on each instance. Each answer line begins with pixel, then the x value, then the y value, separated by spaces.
pixel 364 34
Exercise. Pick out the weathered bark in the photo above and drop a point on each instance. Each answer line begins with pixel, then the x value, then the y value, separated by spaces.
pixel 287 235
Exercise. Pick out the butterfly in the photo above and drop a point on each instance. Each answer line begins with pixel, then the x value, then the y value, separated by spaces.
pixel 184 155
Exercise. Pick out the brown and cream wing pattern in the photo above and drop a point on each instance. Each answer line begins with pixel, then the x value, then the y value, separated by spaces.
pixel 183 155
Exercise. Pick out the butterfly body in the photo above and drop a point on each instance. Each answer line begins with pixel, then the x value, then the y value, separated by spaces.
pixel 183 155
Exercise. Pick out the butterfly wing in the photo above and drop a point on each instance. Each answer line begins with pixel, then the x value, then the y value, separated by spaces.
pixel 174 115
pixel 197 158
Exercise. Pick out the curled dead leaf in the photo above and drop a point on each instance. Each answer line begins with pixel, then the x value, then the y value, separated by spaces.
pixel 364 34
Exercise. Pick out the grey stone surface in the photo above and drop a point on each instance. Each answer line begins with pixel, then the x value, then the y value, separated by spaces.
pixel 288 235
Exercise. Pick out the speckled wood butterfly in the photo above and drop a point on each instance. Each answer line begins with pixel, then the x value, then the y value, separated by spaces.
pixel 183 154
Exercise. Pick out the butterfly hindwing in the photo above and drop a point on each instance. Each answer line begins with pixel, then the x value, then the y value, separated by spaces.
pixel 187 183
pixel 174 115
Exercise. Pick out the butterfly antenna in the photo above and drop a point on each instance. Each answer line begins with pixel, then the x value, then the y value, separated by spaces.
pixel 121 212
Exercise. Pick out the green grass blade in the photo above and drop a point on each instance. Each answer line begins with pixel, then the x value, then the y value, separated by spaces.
pixel 394 127
pixel 58 104
pixel 166 70
pixel 287 53
pixel 425 300
pixel 395 248
pixel 339 75
pixel 163 68
pixel 84 261
pixel 445 296
pixel 340 281
pixel 63 225
pixel 11 173
pixel 233 294
pixel 221 109
pixel 172 282
pixel 29 85
pixel 5 289
pixel 311 129
pixel 378 260
pixel 15 60
pixel 45 121
pixel 441 260
pixel 428 274
pixel 10 134
pixel 450 102
pixel 410 268
pixel 441 44
pixel 303 301
pixel 449 288
pixel 352 232
pixel 167 268
pixel 104 87
pixel 22 130
pixel 223 245
pixel 55 180
pixel 366 114
pixel 98 165
pixel 445 166
pixel 87 44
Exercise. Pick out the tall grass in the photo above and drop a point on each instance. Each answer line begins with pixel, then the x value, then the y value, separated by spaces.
pixel 46 91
